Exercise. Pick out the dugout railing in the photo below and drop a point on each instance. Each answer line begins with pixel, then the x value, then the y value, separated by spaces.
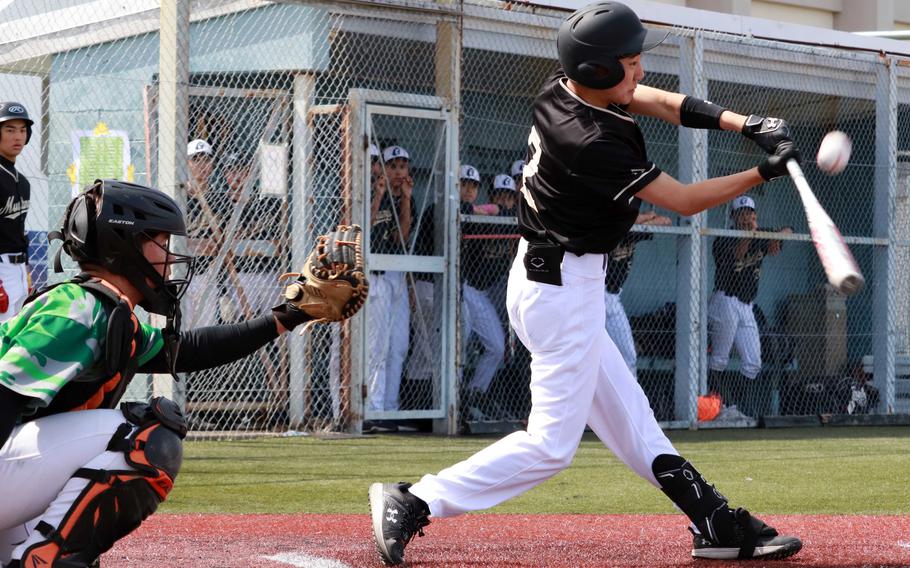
pixel 291 94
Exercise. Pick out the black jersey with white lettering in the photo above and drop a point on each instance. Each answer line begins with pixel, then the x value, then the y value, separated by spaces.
pixel 15 193
pixel 738 277
pixel 385 237
pixel 621 261
pixel 587 163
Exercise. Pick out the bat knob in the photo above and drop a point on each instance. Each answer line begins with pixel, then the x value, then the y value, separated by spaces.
pixel 851 284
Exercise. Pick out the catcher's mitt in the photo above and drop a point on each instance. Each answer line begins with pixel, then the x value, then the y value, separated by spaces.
pixel 332 286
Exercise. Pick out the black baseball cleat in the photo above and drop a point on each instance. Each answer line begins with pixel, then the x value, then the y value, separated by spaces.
pixel 752 539
pixel 397 517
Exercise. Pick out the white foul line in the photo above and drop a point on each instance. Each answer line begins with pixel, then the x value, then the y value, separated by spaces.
pixel 306 560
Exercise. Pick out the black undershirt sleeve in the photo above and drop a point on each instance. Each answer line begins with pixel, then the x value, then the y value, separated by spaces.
pixel 212 346
pixel 11 406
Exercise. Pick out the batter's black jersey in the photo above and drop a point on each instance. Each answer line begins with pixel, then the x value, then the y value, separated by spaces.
pixel 588 163
pixel 738 277
pixel 621 261
pixel 15 193
pixel 384 236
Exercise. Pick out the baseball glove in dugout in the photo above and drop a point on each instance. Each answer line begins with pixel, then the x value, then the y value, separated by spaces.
pixel 332 285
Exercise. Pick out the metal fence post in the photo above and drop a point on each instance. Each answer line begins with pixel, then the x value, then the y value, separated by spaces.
pixel 303 89
pixel 173 104
pixel 693 166
pixel 448 87
pixel 884 288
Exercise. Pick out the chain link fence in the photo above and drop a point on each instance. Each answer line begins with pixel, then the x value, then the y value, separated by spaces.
pixel 293 113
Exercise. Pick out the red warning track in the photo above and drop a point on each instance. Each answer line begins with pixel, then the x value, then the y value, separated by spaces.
pixel 336 541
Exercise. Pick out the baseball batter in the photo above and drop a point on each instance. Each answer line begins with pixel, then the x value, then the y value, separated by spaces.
pixel 73 483
pixel 15 133
pixel 617 322
pixel 586 176
pixel 731 319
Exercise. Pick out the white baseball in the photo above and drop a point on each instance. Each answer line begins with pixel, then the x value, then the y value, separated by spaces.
pixel 834 152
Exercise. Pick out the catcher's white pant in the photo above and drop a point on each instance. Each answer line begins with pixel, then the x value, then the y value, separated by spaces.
pixel 388 313
pixel 480 317
pixel 15 282
pixel 578 377
pixel 36 467
pixel 732 322
pixel 620 331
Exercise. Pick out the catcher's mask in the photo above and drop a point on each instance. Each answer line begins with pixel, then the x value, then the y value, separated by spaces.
pixel 108 224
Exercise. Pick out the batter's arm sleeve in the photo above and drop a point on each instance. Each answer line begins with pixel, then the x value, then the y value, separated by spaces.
pixel 12 404
pixel 209 347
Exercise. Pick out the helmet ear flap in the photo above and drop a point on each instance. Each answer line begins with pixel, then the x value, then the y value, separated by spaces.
pixel 602 74
pixel 79 230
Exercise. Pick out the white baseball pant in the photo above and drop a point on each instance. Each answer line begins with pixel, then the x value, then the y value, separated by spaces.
pixel 15 282
pixel 424 361
pixel 37 463
pixel 732 322
pixel 481 318
pixel 620 331
pixel 389 313
pixel 578 377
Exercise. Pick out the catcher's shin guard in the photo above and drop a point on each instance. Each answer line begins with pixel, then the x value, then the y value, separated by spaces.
pixel 114 503
pixel 705 506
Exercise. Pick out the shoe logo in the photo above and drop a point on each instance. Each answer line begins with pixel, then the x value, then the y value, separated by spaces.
pixel 392 515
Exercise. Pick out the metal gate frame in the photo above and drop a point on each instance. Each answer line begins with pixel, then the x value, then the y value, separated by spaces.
pixel 364 104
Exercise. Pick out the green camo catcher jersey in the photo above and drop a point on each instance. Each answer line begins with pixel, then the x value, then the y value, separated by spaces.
pixel 54 339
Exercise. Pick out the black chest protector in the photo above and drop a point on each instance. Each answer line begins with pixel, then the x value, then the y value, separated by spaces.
pixel 101 385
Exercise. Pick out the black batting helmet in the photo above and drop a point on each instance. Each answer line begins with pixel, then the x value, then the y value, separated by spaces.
pixel 11 110
pixel 593 39
pixel 107 224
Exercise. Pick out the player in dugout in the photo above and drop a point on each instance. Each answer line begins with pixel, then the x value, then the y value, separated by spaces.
pixel 15 192
pixel 586 177
pixel 73 483
pixel 731 309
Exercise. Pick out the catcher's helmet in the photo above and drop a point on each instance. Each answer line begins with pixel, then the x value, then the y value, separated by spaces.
pixel 593 39
pixel 107 224
pixel 10 110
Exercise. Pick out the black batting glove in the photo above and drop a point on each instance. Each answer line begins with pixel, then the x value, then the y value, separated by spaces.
pixel 768 133
pixel 775 165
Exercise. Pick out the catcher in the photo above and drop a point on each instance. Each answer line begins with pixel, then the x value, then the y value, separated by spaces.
pixel 73 483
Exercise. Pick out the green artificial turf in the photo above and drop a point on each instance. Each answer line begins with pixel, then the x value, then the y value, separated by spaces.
pixel 804 471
